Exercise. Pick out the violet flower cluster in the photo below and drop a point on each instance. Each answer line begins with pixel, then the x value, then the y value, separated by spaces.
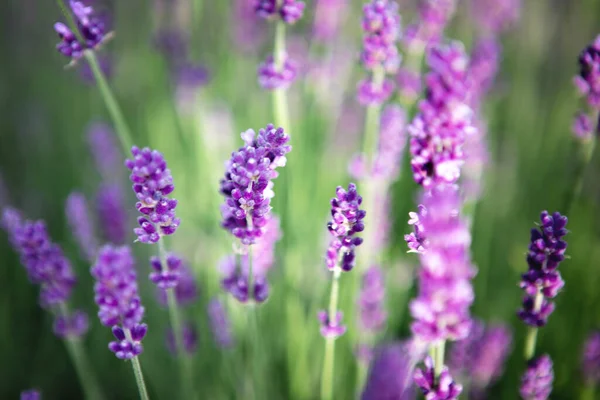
pixel 536 383
pixel 436 386
pixel 381 26
pixel 289 11
pixel 441 310
pixel 152 183
pixel 439 130
pixel 372 315
pixel 591 359
pixel 481 356
pixel 90 32
pixel 542 281
pixel 116 294
pixel 248 182
pixel 588 84
pixel 272 77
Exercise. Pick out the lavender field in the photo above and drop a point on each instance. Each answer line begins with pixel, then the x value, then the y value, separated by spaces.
pixel 284 199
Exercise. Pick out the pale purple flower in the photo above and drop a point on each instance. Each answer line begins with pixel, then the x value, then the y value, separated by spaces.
pixel 441 387
pixel 370 94
pixel 219 324
pixel 483 67
pixel 409 84
pixel 582 127
pixel 591 359
pixel 165 276
pixel 371 301
pixel 536 383
pixel 90 29
pixel 78 216
pixel 271 77
pixel 331 328
pixel 417 241
pixel 289 11
pixel 588 80
pixel 392 140
pixel 111 213
pixel 71 326
pixel 186 291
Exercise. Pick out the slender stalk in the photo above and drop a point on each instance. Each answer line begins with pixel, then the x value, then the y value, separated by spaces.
pixel 280 104
pixel 85 372
pixel 110 102
pixel 439 357
pixel 185 362
pixel 531 338
pixel 328 361
pixel 139 378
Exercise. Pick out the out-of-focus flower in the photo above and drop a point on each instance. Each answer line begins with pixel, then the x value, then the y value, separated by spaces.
pixel 152 183
pixel 247 33
pixel 542 281
pixel 329 14
pixel 219 324
pixel 372 315
pixel 495 16
pixel 79 219
pixel 104 150
pixel 536 383
pixel 270 77
pixel 331 328
pixel 165 276
pixel 588 84
pixel 390 374
pixel 186 291
pixel 111 212
pixel 91 31
pixel 69 326
pixel 591 359
pixel 289 11
pixel 189 336
pixel 31 394
pixel 440 387
pixel 433 17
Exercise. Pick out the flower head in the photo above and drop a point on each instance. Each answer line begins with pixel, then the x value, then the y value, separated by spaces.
pixel 186 288
pixel 440 387
pixel 126 347
pixel 80 221
pixel 289 11
pixel 90 32
pixel 152 183
pixel 536 383
pixel 331 327
pixel 271 77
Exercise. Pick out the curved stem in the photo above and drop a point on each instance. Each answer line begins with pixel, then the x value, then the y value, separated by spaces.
pixel 531 338
pixel 328 361
pixel 111 103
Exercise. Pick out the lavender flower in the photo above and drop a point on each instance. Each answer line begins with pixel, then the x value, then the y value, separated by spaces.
pixel 189 337
pixel 31 394
pixel 444 119
pixel 152 183
pixel 441 387
pixel 434 15
pixel 90 29
pixel 582 127
pixel 116 294
pixel 542 281
pixel 71 326
pixel 346 222
pixel 381 26
pixel 409 84
pixel 247 185
pixel 483 68
pixel 111 213
pixel 219 324
pixel 494 17
pixel 588 84
pixel 536 383
pixel 441 310
pixel 270 77
pixel 167 276
pixel 591 359
pixel 186 291
pixel 289 11
pixel 43 260
pixel 104 149
pixel 331 328
pixel 329 15
pixel 390 374
pixel 417 241
pixel 80 221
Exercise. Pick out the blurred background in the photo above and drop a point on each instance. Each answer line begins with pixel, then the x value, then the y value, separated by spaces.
pixel 184 72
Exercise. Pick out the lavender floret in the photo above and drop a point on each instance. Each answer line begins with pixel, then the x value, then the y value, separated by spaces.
pixel 536 383
pixel 441 387
pixel 90 29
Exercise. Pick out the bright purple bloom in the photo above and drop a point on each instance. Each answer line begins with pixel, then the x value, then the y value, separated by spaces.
pixel 442 387
pixel 167 276
pixel 31 394
pixel 542 281
pixel 417 241
pixel 591 359
pixel 126 348
pixel 390 374
pixel 152 183
pixel 71 326
pixel 104 150
pixel 536 383
pixel 189 336
pixel 79 219
pixel 290 11
pixel 219 324
pixel 441 310
pixel 495 16
pixel 270 77
pixel 186 291
pixel 331 328
pixel 111 213
pixel 346 222
pixel 439 130
pixel 90 29
pixel 329 14
pixel 248 182
pixel 43 260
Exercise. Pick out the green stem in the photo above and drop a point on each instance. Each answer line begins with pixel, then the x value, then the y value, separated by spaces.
pixel 439 358
pixel 531 338
pixel 328 361
pixel 139 378
pixel 112 106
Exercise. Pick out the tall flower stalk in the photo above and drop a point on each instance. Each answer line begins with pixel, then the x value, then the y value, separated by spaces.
pixel 346 222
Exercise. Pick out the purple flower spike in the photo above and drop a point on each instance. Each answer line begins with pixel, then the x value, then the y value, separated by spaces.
pixel 43 260
pixel 81 225
pixel 116 290
pixel 271 78
pixel 91 30
pixel 588 80
pixel 152 183
pixel 346 222
pixel 219 324
pixel 112 215
pixel 31 394
pixel 167 276
pixel 442 387
pixel 290 11
pixel 186 291
pixel 71 326
pixel 126 348
pixel 248 182
pixel 190 339
pixel 381 26
pixel 591 359
pixel 536 383
pixel 542 281
pixel 390 374
pixel 331 328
